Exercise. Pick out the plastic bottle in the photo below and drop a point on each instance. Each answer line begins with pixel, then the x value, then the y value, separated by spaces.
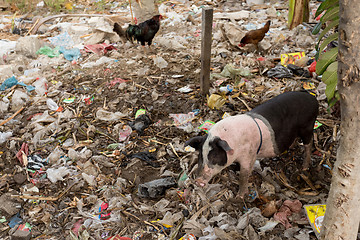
pixel 227 89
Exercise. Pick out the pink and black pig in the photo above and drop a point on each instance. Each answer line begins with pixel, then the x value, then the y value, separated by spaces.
pixel 266 131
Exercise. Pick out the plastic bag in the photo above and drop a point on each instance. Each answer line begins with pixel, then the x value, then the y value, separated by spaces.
pixel 109 116
pixel 55 175
pixel 4 136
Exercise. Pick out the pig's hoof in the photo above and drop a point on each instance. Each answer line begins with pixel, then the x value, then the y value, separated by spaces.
pixel 241 195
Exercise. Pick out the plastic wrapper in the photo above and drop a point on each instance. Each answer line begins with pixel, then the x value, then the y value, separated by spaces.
pixel 160 62
pixel 289 58
pixel 58 174
pixel 109 116
pixel 315 214
pixel 215 101
pixel 183 120
pixel 280 72
pixel 62 40
pixel 19 99
pixel 41 86
pixel 99 62
pixel 4 136
pixel 4 104
pixel 82 155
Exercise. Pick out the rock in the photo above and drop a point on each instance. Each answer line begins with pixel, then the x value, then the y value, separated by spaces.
pixel 5 72
pixel 19 178
pixel 20 234
pixel 102 160
pixel 156 187
pixel 9 206
pixel 28 46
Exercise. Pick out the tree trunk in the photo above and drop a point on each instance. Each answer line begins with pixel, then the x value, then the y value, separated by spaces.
pixel 343 212
pixel 298 12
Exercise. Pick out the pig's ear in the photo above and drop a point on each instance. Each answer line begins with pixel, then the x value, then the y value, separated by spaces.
pixel 196 142
pixel 224 145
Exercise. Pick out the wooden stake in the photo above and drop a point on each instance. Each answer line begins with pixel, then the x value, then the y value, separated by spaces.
pixel 206 40
pixel 131 12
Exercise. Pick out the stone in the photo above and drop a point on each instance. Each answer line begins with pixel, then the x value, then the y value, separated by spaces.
pixel 9 206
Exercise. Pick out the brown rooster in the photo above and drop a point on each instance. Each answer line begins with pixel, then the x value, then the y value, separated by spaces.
pixel 255 36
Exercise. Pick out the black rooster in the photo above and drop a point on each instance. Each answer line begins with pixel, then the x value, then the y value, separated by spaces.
pixel 143 32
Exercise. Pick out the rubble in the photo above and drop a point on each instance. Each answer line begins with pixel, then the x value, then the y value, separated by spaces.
pixel 92 128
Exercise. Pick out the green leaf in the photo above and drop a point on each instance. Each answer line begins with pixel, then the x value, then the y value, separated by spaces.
pixel 330 78
pixel 317 28
pixel 328 28
pixel 325 60
pixel 326 5
pixel 330 14
pixel 328 40
pixel 330 75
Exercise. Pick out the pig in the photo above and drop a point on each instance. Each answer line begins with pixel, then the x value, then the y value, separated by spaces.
pixel 266 131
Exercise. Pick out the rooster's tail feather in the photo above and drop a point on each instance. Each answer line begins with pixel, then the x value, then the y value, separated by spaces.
pixel 132 31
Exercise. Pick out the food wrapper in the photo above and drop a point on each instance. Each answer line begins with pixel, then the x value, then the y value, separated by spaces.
pixel 225 115
pixel 188 236
pixel 206 126
pixel 289 58
pixel 308 85
pixel 139 112
pixel 69 100
pixel 215 101
pixel 182 120
pixel 317 124
pixel 315 214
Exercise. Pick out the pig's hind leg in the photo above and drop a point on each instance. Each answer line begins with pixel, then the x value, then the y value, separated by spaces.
pixel 306 136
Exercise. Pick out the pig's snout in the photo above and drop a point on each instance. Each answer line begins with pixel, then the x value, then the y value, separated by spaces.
pixel 204 176
pixel 200 182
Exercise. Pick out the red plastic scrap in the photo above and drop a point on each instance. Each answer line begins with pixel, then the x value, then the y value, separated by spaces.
pixel 115 81
pixel 76 227
pixel 23 150
pixel 31 116
pixel 312 67
pixel 102 210
pixel 99 49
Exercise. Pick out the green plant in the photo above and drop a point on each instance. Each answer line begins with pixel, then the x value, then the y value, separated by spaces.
pixel 55 5
pixel 327 61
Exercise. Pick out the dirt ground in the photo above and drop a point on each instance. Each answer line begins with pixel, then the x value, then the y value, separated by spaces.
pixel 100 168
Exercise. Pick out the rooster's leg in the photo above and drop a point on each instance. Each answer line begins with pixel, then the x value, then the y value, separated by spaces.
pixel 145 50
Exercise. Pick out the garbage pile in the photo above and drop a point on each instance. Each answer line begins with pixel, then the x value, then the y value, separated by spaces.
pixel 92 127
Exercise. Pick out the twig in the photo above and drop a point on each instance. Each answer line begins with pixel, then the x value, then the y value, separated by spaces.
pixel 99 132
pixel 155 141
pixel 14 115
pixel 172 147
pixel 247 106
pixel 44 198
pixel 307 180
pixel 32 27
pixel 150 224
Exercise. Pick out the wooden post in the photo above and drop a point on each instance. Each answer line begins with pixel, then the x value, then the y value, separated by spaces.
pixel 206 40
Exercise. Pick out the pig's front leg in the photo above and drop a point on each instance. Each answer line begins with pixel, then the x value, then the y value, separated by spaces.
pixel 307 156
pixel 243 182
pixel 246 166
